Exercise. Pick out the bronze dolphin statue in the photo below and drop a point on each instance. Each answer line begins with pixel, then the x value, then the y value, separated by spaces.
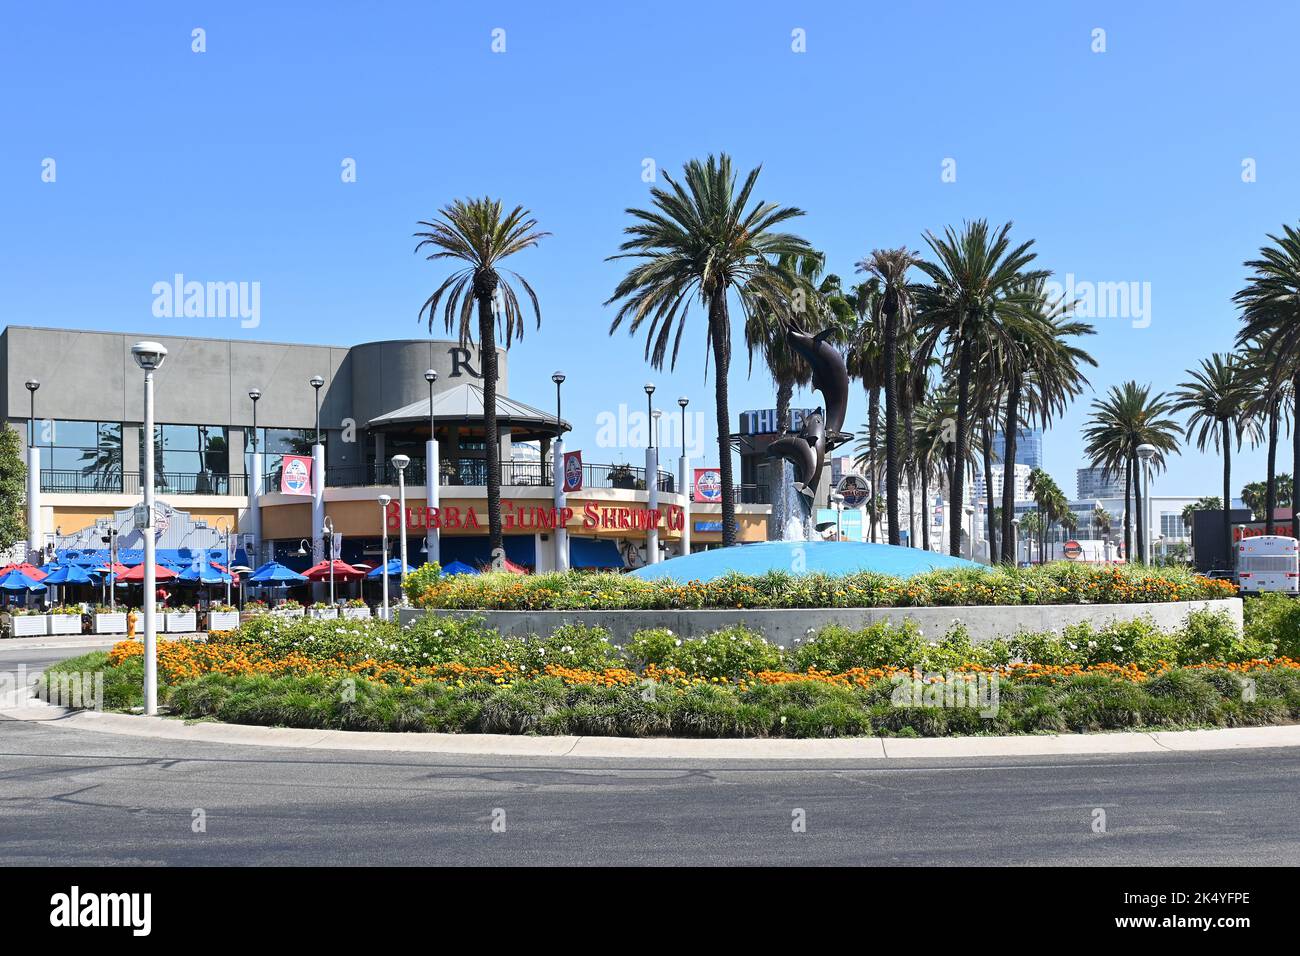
pixel 829 376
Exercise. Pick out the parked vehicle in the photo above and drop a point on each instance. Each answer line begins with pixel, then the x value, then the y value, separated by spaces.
pixel 1268 562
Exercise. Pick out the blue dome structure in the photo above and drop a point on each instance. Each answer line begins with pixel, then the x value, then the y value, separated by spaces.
pixel 826 557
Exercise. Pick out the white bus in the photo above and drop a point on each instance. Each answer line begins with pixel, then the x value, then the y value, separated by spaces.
pixel 1269 562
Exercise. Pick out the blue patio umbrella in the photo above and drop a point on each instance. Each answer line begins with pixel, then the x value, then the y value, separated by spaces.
pixel 458 567
pixel 15 580
pixel 276 573
pixel 394 567
pixel 68 574
pixel 204 574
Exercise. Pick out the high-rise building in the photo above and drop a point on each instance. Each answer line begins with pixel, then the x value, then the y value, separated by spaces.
pixel 1094 483
pixel 1029 447
pixel 1021 479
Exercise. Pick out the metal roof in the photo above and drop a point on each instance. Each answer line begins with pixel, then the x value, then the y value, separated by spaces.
pixel 465 403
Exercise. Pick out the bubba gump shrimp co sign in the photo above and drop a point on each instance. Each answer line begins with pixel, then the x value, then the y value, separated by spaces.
pixel 591 517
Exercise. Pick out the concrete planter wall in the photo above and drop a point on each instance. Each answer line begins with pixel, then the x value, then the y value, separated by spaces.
pixel 323 613
pixel 110 623
pixel 181 622
pixel 223 620
pixel 784 626
pixel 29 625
pixel 356 613
pixel 65 623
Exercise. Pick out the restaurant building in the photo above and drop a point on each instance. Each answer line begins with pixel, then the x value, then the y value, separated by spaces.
pixel 254 468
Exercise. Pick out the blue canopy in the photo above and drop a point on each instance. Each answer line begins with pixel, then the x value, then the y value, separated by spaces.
pixel 205 574
pixel 458 567
pixel 828 557
pixel 15 580
pixel 67 574
pixel 273 572
pixel 588 553
pixel 394 569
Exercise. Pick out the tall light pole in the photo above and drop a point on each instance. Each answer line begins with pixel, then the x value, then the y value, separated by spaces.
pixel 684 481
pixel 33 475
pixel 559 499
pixel 328 527
pixel 225 522
pixel 401 461
pixel 383 522
pixel 651 480
pixel 432 546
pixel 256 489
pixel 317 479
pixel 317 382
pixel 1015 535
pixel 1146 453
pixel 149 356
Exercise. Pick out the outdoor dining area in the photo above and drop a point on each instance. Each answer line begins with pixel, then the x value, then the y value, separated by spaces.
pixel 79 596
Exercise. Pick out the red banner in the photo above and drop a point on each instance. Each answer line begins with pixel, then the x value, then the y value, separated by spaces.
pixel 708 485
pixel 295 475
pixel 572 471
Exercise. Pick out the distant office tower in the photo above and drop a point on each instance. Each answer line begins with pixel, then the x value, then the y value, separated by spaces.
pixel 1092 483
pixel 1029 447
pixel 1021 491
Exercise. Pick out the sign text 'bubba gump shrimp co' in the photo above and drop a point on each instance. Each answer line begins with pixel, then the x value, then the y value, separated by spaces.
pixel 592 517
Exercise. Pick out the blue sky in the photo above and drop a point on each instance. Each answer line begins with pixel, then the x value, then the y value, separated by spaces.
pixel 1124 166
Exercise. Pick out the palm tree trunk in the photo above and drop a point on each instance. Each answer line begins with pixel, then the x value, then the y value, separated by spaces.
pixel 911 507
pixel 1227 492
pixel 1128 510
pixel 1010 429
pixel 987 449
pixel 720 334
pixel 1295 459
pixel 1270 494
pixel 958 488
pixel 925 509
pixel 784 395
pixel 491 443
pixel 891 422
pixel 873 463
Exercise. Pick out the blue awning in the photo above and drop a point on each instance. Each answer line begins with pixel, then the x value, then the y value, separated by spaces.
pixel 521 549
pixel 594 553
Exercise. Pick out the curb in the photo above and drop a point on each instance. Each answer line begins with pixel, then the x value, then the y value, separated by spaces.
pixel 504 745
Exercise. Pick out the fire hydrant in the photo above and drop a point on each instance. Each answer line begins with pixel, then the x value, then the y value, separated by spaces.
pixel 131 618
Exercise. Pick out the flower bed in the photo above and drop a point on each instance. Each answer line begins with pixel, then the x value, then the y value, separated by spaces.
pixel 1052 584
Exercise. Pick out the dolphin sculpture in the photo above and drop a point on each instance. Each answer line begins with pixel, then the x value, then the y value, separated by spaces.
pixel 805 450
pixel 829 376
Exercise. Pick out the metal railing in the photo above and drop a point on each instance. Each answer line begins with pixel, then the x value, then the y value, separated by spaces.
pixel 472 472
pixel 72 481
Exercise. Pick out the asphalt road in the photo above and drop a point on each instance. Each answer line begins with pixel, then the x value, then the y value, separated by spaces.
pixel 72 797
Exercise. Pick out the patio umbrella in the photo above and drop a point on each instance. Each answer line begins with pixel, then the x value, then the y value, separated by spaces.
pixel 513 568
pixel 342 572
pixel 16 580
pixel 394 567
pixel 33 572
pixel 209 573
pixel 68 574
pixel 273 572
pixel 136 574
pixel 458 567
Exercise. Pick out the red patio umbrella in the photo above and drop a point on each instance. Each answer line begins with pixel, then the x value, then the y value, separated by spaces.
pixel 33 572
pixel 342 572
pixel 137 574
pixel 513 568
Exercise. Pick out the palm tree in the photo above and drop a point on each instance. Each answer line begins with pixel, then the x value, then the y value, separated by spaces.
pixel 1216 400
pixel 1268 400
pixel 864 359
pixel 1127 417
pixel 977 295
pixel 477 233
pixel 1101 520
pixel 1270 312
pixel 890 268
pixel 701 241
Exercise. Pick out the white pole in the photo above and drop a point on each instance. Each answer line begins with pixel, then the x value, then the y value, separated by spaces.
pixel 33 496
pixel 652 504
pixel 431 543
pixel 1146 505
pixel 385 567
pixel 150 582
pixel 560 501
pixel 401 497
pixel 255 491
pixel 684 489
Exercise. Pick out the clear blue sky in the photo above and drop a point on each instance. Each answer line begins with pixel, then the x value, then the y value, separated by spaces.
pixel 1123 165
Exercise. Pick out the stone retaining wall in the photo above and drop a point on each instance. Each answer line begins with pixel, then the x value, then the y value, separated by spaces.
pixel 781 627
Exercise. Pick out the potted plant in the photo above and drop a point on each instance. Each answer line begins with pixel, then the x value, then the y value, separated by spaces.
pixel 355 609
pixel 28 622
pixel 65 619
pixel 253 609
pixel 621 476
pixel 181 620
pixel 323 609
pixel 223 617
pixel 109 620
pixel 288 608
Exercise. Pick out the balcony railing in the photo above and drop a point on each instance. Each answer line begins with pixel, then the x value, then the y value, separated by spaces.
pixel 472 472
pixel 71 481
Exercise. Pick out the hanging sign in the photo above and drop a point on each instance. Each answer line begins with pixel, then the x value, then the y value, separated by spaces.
pixel 295 475
pixel 572 471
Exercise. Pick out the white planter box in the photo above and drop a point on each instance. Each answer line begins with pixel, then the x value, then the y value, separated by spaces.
pixel 181 622
pixel 289 612
pixel 223 620
pixel 29 625
pixel 324 613
pixel 110 623
pixel 356 613
pixel 65 623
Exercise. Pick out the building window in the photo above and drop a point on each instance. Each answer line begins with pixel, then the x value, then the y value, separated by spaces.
pixel 190 459
pixel 88 452
pixel 275 443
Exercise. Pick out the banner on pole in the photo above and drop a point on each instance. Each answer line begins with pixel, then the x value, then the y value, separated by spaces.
pixel 708 485
pixel 572 471
pixel 295 475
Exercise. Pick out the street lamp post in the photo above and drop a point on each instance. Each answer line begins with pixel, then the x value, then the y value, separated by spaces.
pixel 33 474
pixel 683 481
pixel 432 545
pixel 558 498
pixel 1015 538
pixel 383 521
pixel 255 480
pixel 328 527
pixel 224 524
pixel 317 479
pixel 149 356
pixel 401 461
pixel 1146 453
pixel 651 480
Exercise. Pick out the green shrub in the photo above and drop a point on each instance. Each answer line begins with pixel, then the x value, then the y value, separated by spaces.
pixel 882 644
pixel 1274 618
pixel 731 652
pixel 1212 636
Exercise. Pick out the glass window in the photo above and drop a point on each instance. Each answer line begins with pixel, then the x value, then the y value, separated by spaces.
pixel 89 453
